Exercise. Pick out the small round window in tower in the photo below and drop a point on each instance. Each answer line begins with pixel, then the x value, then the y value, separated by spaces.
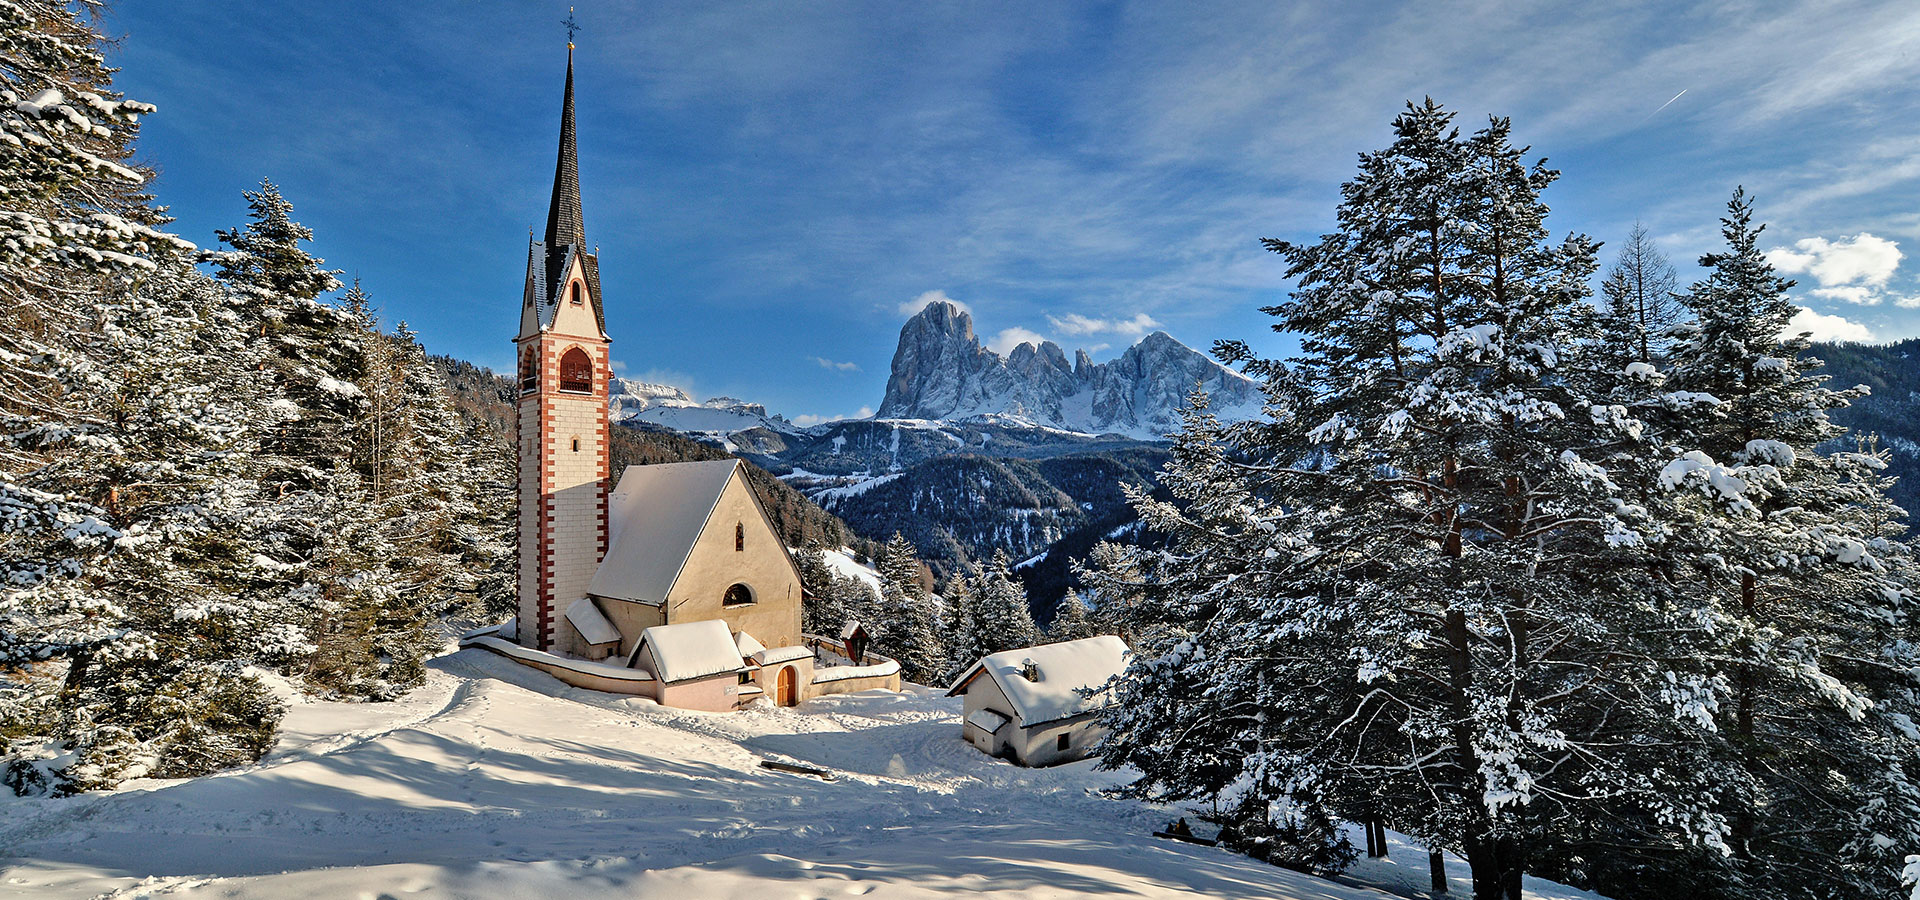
pixel 576 371
pixel 737 595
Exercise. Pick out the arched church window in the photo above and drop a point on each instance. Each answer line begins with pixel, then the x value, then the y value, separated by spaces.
pixel 737 595
pixel 573 293
pixel 576 371
pixel 739 537
pixel 529 370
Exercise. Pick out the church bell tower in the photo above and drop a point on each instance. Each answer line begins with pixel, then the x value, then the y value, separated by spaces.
pixel 562 409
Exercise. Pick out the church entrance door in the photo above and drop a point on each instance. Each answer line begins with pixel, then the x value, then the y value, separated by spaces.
pixel 783 692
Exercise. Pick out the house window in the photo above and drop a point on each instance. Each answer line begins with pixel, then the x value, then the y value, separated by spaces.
pixel 1062 742
pixel 739 537
pixel 738 595
pixel 573 294
pixel 746 677
pixel 576 371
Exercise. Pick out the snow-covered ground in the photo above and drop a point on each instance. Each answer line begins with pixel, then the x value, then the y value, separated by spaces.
pixel 494 780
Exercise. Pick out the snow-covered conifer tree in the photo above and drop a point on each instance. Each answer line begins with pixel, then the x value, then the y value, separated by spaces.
pixel 909 619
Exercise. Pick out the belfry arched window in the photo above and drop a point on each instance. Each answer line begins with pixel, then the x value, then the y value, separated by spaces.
pixel 737 595
pixel 576 371
pixel 573 293
pixel 529 370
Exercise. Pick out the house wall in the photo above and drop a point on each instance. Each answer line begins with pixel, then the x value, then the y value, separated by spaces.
pixel 983 693
pixel 764 567
pixel 1040 745
pixel 768 678
pixel 854 685
pixel 720 693
pixel 630 618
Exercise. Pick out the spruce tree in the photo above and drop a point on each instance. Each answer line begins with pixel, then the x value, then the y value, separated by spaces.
pixel 909 619
pixel 1798 548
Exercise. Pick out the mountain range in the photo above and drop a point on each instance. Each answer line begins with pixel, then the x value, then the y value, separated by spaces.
pixel 941 372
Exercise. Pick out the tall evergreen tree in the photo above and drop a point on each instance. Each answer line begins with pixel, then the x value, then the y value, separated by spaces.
pixel 1799 550
pixel 911 625
pixel 1640 295
pixel 1422 596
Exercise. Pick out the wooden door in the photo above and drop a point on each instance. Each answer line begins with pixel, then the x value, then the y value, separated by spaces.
pixel 783 691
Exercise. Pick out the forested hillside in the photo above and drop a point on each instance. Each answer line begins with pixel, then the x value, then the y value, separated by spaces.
pixel 212 463
pixel 1890 414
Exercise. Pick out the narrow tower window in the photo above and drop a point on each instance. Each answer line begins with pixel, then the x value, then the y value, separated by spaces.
pixel 739 537
pixel 576 371
pixel 573 293
pixel 576 445
pixel 529 370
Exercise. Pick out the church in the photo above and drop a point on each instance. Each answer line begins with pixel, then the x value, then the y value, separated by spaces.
pixel 672 584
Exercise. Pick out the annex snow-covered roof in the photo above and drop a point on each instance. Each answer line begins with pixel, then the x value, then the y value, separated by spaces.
pixel 748 645
pixel 691 650
pixel 591 624
pixel 653 518
pixel 1065 670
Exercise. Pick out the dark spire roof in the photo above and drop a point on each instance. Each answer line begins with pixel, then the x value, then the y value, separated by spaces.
pixel 564 222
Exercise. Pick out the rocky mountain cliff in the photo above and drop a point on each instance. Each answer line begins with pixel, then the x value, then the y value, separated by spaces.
pixel 940 371
pixel 640 402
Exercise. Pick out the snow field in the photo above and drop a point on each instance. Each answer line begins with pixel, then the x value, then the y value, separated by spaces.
pixel 495 780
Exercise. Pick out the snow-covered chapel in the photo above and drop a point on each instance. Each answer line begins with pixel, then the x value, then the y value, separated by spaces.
pixel 672 585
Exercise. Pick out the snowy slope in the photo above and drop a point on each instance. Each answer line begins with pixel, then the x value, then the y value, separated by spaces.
pixel 670 407
pixel 497 781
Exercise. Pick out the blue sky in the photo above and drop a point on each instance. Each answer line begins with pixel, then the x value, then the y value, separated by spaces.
pixel 774 186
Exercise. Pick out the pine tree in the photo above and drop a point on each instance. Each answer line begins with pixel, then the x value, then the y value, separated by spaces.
pixel 1071 620
pixel 1639 291
pixel 911 625
pixel 1001 617
pixel 1416 594
pixel 1797 547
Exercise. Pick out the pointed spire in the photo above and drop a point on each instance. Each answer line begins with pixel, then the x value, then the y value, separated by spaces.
pixel 564 222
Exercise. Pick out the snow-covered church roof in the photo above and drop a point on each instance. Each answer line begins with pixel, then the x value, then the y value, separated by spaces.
pixel 653 518
pixel 1063 671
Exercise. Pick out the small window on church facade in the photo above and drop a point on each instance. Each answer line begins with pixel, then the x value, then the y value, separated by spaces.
pixel 576 445
pixel 738 595
pixel 573 294
pixel 739 537
pixel 576 371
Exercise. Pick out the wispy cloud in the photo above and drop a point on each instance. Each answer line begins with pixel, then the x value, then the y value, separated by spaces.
pixel 808 420
pixel 914 306
pixel 1824 327
pixel 1004 342
pixel 826 363
pixel 1076 324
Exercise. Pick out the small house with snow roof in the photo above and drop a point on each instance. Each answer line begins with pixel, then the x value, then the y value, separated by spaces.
pixel 1038 706
pixel 674 584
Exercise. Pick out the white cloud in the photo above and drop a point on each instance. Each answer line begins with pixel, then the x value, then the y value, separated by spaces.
pixel 1004 342
pixel 1828 328
pixel 809 420
pixel 1857 294
pixel 1074 323
pixel 826 363
pixel 619 366
pixel 1862 260
pixel 1912 302
pixel 914 306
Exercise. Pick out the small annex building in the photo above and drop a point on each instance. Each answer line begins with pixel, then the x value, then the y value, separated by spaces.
pixel 1037 706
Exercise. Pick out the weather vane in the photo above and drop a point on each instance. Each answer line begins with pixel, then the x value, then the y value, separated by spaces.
pixel 572 27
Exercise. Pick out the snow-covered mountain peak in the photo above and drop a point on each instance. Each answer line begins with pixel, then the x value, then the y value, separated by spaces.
pixel 941 371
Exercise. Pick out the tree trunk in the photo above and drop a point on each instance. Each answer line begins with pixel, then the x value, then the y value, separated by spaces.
pixel 1497 864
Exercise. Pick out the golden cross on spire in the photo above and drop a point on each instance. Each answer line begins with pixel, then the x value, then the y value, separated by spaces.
pixel 572 27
